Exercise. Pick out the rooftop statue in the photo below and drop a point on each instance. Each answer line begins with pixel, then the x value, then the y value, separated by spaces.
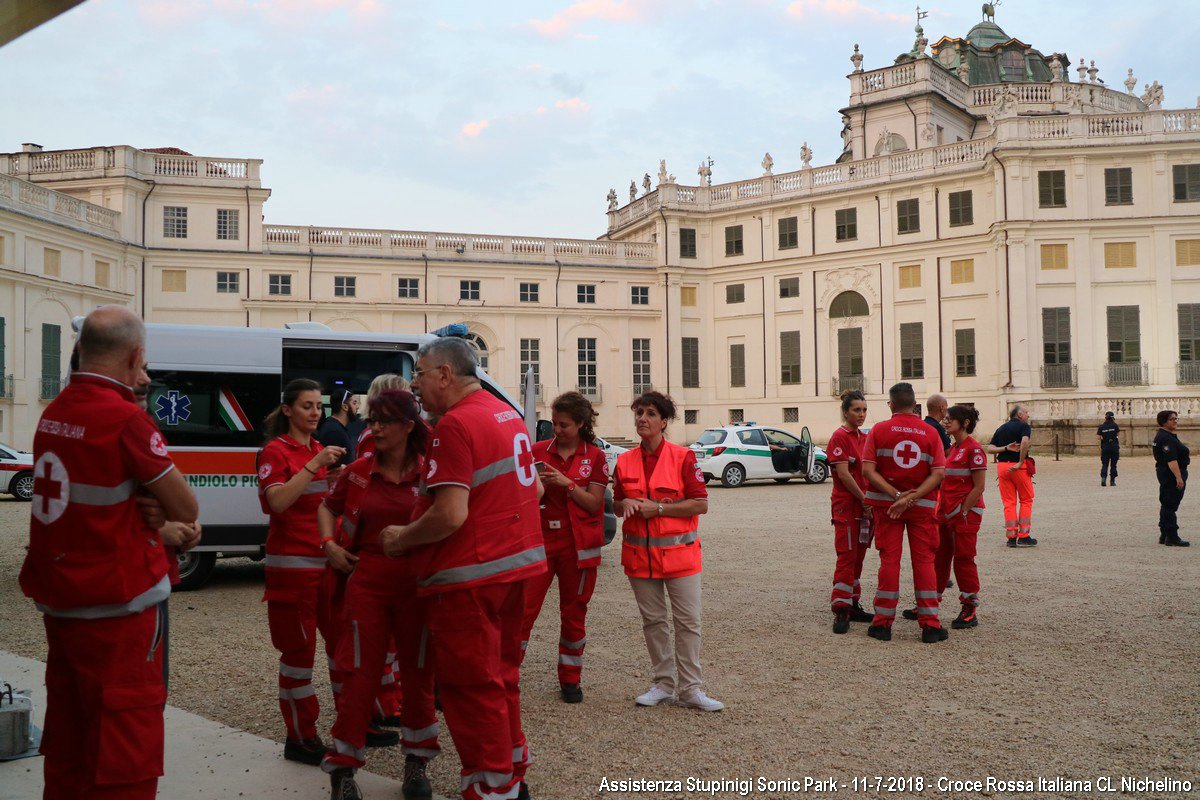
pixel 856 58
pixel 989 10
pixel 767 164
pixel 705 172
pixel 663 175
pixel 646 183
pixel 806 155
pixel 612 199
pixel 632 191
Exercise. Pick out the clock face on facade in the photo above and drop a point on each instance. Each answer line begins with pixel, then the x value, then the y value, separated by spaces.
pixel 946 56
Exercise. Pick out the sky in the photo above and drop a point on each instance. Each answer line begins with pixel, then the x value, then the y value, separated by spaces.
pixel 511 118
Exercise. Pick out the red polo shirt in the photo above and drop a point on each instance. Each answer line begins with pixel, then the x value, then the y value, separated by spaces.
pixel 292 532
pixel 384 503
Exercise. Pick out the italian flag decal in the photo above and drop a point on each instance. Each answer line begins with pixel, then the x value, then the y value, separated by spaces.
pixel 232 413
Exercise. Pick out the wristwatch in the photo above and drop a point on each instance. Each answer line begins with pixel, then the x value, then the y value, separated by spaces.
pixel 660 509
pixel 899 495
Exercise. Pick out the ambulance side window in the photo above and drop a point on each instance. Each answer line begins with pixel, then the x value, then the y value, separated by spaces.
pixel 209 409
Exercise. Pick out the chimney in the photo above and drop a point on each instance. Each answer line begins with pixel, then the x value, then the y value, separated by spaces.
pixel 30 147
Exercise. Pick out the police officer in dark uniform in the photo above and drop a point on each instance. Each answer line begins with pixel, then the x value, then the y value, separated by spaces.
pixel 1171 458
pixel 1110 448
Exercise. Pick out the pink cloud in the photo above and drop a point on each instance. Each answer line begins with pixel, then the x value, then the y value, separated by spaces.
pixel 472 129
pixel 582 11
pixel 848 10
pixel 572 104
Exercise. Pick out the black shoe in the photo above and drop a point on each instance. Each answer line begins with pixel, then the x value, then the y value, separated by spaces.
pixel 1102 482
pixel 860 614
pixel 909 613
pixel 1113 482
pixel 343 786
pixel 950 584
pixel 377 737
pixel 523 792
pixel 393 721
pixel 1162 538
pixel 1012 542
pixel 841 621
pixel 881 632
pixel 310 751
pixel 1026 541
pixel 934 635
pixel 1175 541
pixel 965 619
pixel 416 784
pixel 571 692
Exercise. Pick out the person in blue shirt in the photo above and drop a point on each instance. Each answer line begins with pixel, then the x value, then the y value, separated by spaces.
pixel 1110 448
pixel 1171 459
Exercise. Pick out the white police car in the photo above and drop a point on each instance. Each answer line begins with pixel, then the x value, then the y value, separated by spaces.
pixel 739 453
pixel 16 472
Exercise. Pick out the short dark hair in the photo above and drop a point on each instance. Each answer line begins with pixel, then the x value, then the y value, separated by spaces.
pixel 1163 416
pixel 661 402
pixel 964 415
pixel 902 395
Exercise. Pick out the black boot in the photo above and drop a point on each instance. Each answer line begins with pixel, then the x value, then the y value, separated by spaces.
pixel 1102 483
pixel 378 737
pixel 860 614
pixel 571 692
pixel 1175 541
pixel 881 632
pixel 934 635
pixel 841 620
pixel 342 784
pixel 310 751
pixel 416 784
pixel 1113 482
pixel 523 792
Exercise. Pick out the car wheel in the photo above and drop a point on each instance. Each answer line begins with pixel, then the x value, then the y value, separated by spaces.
pixel 22 486
pixel 819 473
pixel 733 476
pixel 782 480
pixel 194 570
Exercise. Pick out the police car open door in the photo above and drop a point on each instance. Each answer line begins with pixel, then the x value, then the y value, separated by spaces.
pixel 808 453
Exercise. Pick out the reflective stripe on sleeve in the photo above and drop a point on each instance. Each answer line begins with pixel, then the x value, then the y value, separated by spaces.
pixel 957 473
pixel 584 555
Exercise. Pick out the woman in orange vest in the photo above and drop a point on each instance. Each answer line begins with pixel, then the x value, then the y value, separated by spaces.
pixel 660 495
pixel 293 476
pixel 575 473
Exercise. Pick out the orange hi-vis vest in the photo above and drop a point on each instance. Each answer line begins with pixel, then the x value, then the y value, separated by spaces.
pixel 661 547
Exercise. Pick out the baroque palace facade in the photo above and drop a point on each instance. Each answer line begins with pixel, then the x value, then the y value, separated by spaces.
pixel 995 229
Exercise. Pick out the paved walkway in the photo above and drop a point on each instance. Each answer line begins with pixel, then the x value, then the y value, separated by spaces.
pixel 204 759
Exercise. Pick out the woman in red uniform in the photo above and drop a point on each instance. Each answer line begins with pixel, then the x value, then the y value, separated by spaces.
pixel 575 473
pixel 381 596
pixel 851 517
pixel 960 512
pixel 293 475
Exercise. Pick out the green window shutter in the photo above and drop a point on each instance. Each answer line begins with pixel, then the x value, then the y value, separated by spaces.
pixel 912 350
pixel 789 357
pixel 3 351
pixel 850 352
pixel 737 365
pixel 1189 331
pixel 691 362
pixel 964 352
pixel 51 360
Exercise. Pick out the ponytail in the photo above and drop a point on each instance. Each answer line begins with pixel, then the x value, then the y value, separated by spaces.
pixel 965 416
pixel 276 424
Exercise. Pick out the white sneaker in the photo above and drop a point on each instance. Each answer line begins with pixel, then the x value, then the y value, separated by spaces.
pixel 701 701
pixel 653 696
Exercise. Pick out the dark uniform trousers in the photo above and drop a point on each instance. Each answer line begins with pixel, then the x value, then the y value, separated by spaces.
pixel 1169 499
pixel 1109 454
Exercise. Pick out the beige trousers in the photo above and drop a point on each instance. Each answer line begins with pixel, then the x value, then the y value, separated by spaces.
pixel 684 593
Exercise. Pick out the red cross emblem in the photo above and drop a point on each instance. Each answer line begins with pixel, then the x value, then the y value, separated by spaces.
pixel 906 454
pixel 523 456
pixel 51 488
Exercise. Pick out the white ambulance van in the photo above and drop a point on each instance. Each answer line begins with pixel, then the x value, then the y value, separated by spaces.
pixel 211 389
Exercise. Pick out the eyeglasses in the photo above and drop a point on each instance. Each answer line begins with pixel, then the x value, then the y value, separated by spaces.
pixel 373 422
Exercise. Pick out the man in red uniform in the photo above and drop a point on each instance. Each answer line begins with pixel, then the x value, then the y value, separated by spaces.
pixel 97 570
pixel 485 540
pixel 904 462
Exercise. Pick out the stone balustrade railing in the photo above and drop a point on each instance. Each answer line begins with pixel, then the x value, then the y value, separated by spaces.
pixel 129 161
pixel 466 246
pixel 1095 407
pixel 1048 131
pixel 47 204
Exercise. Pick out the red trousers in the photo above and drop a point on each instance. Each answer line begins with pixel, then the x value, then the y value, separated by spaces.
pixel 380 606
pixel 575 588
pixel 387 701
pixel 850 555
pixel 476 640
pixel 1016 492
pixel 104 708
pixel 957 547
pixel 294 624
pixel 922 542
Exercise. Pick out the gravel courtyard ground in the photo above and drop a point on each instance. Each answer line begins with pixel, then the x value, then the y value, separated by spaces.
pixel 1084 665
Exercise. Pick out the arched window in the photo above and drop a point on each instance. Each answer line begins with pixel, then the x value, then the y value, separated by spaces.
pixel 481 348
pixel 848 304
pixel 1013 62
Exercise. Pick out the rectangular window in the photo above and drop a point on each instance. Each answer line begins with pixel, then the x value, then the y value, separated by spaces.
pixel 691 362
pixel 687 242
pixel 1120 255
pixel 174 222
pixel 279 285
pixel 846 222
pixel 52 262
pixel 1187 252
pixel 468 290
pixel 639 295
pixel 174 280
pixel 1187 182
pixel 228 282
pixel 789 287
pixel 227 223
pixel 962 270
pixel 1118 186
pixel 1124 335
pixel 691 416
pixel 910 276
pixel 51 361
pixel 1189 331
pixel 528 292
pixel 908 216
pixel 1056 336
pixel 737 416
pixel 687 296
pixel 345 286
pixel 1052 188
pixel 912 350
pixel 964 352
pixel 791 414
pixel 962 210
pixel 587 365
pixel 737 365
pixel 1054 256
pixel 641 366
pixel 789 236
pixel 531 358
pixel 735 293
pixel 585 293
pixel 103 276
pixel 789 357
pixel 733 241
pixel 408 287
